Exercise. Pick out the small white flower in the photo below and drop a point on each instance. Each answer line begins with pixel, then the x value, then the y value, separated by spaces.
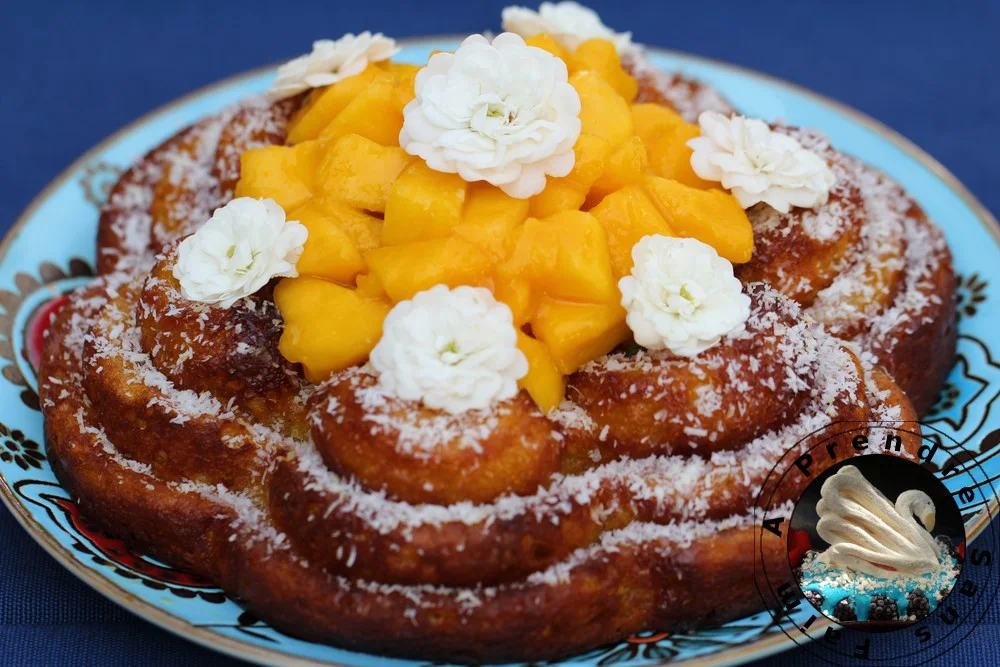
pixel 244 244
pixel 759 165
pixel 455 350
pixel 681 296
pixel 330 61
pixel 502 113
pixel 569 23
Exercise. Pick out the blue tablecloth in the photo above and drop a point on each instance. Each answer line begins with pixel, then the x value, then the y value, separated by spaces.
pixel 75 72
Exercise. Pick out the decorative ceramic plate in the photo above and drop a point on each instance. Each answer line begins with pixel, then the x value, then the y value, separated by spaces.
pixel 50 251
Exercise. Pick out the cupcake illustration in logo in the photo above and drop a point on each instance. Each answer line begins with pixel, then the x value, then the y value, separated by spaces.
pixel 878 543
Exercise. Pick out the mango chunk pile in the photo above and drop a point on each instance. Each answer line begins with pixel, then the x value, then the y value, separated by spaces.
pixel 384 226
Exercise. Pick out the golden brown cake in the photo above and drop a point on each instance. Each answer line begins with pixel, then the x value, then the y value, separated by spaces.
pixel 870 267
pixel 250 439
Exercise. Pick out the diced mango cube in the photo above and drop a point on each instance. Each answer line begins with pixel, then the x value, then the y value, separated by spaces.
pixel 485 202
pixel 626 164
pixel 329 252
pixel 670 156
pixel 489 216
pixel 544 383
pixel 374 114
pixel 399 70
pixel 384 221
pixel 601 56
pixel 576 333
pixel 423 204
pixel 369 287
pixel 569 192
pixel 360 172
pixel 406 76
pixel 650 119
pixel 404 270
pixel 547 42
pixel 324 104
pixel 628 215
pixel 364 229
pixel 603 112
pixel 711 216
pixel 327 327
pixel 565 256
pixel 560 194
pixel 517 293
pixel 591 153
pixel 286 174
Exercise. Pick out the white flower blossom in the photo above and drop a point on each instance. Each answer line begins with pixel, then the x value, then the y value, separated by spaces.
pixel 569 23
pixel 758 164
pixel 504 113
pixel 330 61
pixel 681 296
pixel 452 349
pixel 244 244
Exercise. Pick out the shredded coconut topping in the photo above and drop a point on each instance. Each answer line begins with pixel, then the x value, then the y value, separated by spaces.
pixel 675 499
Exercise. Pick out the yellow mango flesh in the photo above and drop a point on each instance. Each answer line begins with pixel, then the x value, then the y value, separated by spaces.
pixel 547 42
pixel 374 114
pixel 401 71
pixel 591 152
pixel 364 230
pixel 423 204
pixel 488 218
pixel 670 156
pixel 360 172
pixel 559 195
pixel 324 104
pixel 404 270
pixel 711 216
pixel 603 112
pixel 370 287
pixel 606 129
pixel 625 165
pixel 327 327
pixel 405 75
pixel 665 135
pixel 544 382
pixel 382 220
pixel 576 333
pixel 628 215
pixel 649 119
pixel 601 56
pixel 329 252
pixel 565 256
pixel 569 192
pixel 286 174
pixel 517 293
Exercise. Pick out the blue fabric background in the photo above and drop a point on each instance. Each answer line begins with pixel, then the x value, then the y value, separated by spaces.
pixel 75 72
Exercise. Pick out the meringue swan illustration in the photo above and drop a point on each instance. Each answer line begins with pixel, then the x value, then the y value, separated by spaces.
pixel 868 533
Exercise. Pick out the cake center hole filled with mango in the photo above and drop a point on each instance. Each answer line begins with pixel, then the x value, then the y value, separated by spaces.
pixel 384 226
